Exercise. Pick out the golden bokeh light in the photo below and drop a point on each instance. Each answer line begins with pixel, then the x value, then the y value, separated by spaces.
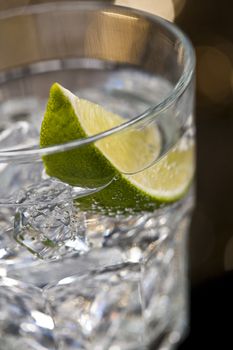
pixel 162 8
pixel 214 70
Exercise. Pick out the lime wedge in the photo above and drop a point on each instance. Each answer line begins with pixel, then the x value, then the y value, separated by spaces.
pixel 115 159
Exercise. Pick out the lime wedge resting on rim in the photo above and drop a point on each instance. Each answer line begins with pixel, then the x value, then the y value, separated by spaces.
pixel 112 159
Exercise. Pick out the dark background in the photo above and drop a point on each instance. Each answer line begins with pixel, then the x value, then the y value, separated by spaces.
pixel 209 24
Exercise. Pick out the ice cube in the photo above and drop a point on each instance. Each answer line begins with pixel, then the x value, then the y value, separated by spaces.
pixel 44 221
pixel 16 176
pixel 18 131
pixel 24 321
pixel 98 308
pixel 18 135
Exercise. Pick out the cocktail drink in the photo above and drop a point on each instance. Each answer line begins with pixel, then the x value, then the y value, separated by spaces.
pixel 96 171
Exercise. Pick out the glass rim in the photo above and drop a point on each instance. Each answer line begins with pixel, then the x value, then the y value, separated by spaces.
pixel 153 111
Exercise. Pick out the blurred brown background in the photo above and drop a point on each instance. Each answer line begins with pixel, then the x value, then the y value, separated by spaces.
pixel 208 23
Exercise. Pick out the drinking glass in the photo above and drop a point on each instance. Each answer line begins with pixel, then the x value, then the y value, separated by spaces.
pixel 84 277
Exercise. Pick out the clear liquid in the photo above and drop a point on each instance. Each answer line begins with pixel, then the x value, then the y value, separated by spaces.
pixel 104 282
